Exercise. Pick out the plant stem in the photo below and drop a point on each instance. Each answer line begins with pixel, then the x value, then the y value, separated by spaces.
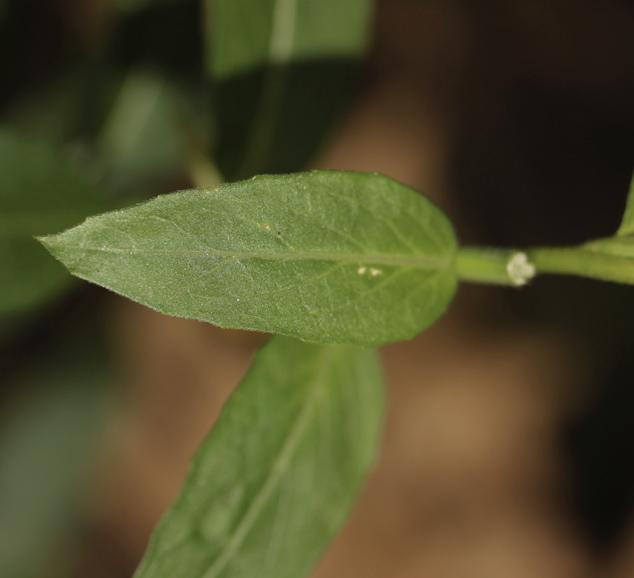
pixel 497 266
pixel 584 262
pixel 603 260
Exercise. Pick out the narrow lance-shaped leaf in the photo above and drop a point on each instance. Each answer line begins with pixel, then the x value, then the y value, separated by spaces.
pixel 323 256
pixel 40 193
pixel 277 476
pixel 282 71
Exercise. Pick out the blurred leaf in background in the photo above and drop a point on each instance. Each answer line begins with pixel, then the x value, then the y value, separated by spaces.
pixel 54 112
pixel 70 109
pixel 40 191
pixel 49 434
pixel 282 72
pixel 146 136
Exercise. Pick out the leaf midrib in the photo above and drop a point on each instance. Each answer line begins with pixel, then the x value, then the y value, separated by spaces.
pixel 278 468
pixel 414 261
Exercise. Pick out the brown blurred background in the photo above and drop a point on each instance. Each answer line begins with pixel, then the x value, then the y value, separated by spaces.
pixel 509 446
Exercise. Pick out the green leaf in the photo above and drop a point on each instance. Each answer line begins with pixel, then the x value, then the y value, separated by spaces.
pixel 283 71
pixel 39 193
pixel 324 256
pixel 627 224
pixel 277 476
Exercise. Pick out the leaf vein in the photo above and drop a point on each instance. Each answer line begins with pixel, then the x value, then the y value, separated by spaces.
pixel 278 469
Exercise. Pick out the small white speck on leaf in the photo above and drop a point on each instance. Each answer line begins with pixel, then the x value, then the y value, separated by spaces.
pixel 375 272
pixel 361 270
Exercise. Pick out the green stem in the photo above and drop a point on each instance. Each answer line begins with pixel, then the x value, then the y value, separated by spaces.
pixel 497 266
pixel 604 259
pixel 583 261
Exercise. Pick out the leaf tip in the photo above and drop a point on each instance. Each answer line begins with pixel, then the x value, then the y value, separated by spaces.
pixel 49 242
pixel 54 244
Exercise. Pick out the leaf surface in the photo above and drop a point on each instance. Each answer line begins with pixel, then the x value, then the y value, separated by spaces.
pixel 324 256
pixel 39 193
pixel 277 476
pixel 282 71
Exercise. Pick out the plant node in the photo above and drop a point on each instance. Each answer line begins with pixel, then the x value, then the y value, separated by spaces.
pixel 520 269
